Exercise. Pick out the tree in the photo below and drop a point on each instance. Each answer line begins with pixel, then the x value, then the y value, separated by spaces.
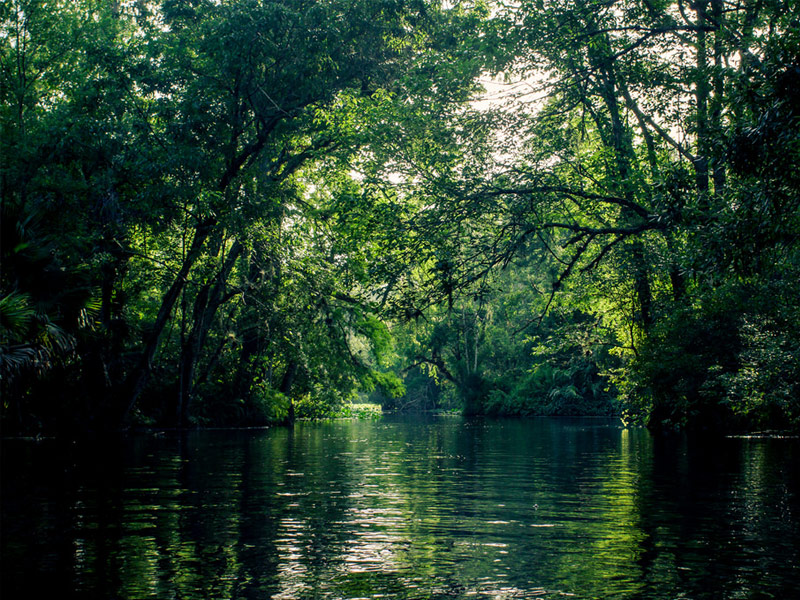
pixel 629 162
pixel 65 109
pixel 192 133
pixel 631 174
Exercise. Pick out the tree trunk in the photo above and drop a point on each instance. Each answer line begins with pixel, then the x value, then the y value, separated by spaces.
pixel 718 163
pixel 623 152
pixel 137 380
pixel 286 388
pixel 701 101
pixel 207 303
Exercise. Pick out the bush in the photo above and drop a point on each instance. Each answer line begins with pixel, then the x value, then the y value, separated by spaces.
pixel 730 360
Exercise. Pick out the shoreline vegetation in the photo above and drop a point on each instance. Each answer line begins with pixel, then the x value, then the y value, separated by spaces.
pixel 373 412
pixel 249 212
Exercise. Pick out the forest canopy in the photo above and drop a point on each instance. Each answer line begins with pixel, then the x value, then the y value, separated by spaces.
pixel 243 211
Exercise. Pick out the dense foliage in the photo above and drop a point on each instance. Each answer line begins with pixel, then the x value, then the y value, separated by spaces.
pixel 242 211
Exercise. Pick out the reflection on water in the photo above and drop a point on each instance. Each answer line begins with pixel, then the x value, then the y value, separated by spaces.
pixel 440 508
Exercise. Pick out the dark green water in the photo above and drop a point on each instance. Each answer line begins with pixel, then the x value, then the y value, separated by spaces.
pixel 440 508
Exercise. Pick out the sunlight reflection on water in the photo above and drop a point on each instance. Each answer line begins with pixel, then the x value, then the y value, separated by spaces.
pixel 447 508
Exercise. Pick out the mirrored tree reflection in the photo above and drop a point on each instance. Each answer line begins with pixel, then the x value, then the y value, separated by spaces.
pixel 404 509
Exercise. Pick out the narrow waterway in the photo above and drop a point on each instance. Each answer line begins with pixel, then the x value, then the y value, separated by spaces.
pixel 403 508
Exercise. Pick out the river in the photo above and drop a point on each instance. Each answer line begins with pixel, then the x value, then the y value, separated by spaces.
pixel 407 508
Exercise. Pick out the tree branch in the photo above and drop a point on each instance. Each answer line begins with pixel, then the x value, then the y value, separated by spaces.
pixel 546 189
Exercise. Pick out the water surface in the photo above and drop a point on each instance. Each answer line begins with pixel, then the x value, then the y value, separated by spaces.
pixel 403 508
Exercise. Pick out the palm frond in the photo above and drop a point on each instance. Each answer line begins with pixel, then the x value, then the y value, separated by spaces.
pixel 16 314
